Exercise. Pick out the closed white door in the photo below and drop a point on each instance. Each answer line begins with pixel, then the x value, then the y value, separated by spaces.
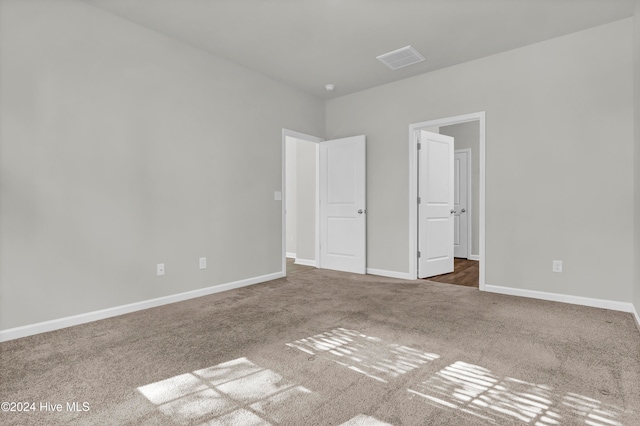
pixel 435 209
pixel 461 204
pixel 343 220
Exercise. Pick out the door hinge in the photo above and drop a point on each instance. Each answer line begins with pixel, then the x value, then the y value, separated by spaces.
pixel 419 200
pixel 419 254
pixel 419 146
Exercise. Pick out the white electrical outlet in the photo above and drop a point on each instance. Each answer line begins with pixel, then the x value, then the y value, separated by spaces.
pixel 160 269
pixel 557 266
pixel 277 196
pixel 203 263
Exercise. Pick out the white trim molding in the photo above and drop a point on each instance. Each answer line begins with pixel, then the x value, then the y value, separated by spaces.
pixel 474 257
pixel 564 298
pixel 636 316
pixel 291 255
pixel 389 274
pixel 56 324
pixel 306 262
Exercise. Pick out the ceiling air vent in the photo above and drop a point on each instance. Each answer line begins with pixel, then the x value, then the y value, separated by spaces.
pixel 401 58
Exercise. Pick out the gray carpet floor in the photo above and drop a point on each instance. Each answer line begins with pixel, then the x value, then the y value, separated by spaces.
pixel 330 348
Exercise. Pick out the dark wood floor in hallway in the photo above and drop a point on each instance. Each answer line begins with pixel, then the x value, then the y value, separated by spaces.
pixel 465 272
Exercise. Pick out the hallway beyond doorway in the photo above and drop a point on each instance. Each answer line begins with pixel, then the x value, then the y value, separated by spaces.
pixel 294 268
pixel 465 272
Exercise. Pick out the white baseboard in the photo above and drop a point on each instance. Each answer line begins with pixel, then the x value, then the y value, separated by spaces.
pixel 305 262
pixel 565 298
pixel 474 257
pixel 390 274
pixel 43 327
pixel 291 255
pixel 636 315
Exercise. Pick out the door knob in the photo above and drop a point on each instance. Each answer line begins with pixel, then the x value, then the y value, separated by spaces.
pixel 360 211
pixel 453 211
pixel 463 210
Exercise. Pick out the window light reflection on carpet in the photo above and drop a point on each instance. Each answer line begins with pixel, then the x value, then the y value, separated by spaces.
pixel 364 354
pixel 476 391
pixel 233 392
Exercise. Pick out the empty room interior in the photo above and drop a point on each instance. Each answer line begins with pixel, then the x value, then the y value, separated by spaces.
pixel 360 212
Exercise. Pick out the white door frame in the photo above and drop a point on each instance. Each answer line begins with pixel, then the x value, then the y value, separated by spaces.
pixel 469 191
pixel 308 138
pixel 413 187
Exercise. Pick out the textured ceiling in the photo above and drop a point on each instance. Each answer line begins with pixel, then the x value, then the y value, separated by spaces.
pixel 309 43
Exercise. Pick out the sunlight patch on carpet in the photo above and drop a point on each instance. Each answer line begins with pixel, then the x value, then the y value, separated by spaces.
pixel 364 354
pixel 363 420
pixel 476 391
pixel 230 393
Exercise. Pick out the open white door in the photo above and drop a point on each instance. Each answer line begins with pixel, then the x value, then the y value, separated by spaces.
pixel 435 208
pixel 343 220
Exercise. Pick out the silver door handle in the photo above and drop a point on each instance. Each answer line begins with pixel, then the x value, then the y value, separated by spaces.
pixel 453 211
pixel 463 210
pixel 360 211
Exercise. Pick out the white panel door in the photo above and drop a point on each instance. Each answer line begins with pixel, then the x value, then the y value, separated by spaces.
pixel 435 210
pixel 460 205
pixel 343 220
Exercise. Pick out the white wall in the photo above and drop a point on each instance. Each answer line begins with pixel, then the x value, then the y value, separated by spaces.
pixel 467 136
pixel 121 149
pixel 559 159
pixel 301 198
pixel 306 198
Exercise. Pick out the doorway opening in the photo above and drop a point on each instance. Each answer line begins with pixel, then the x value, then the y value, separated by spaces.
pixel 324 222
pixel 300 202
pixel 465 273
pixel 462 128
